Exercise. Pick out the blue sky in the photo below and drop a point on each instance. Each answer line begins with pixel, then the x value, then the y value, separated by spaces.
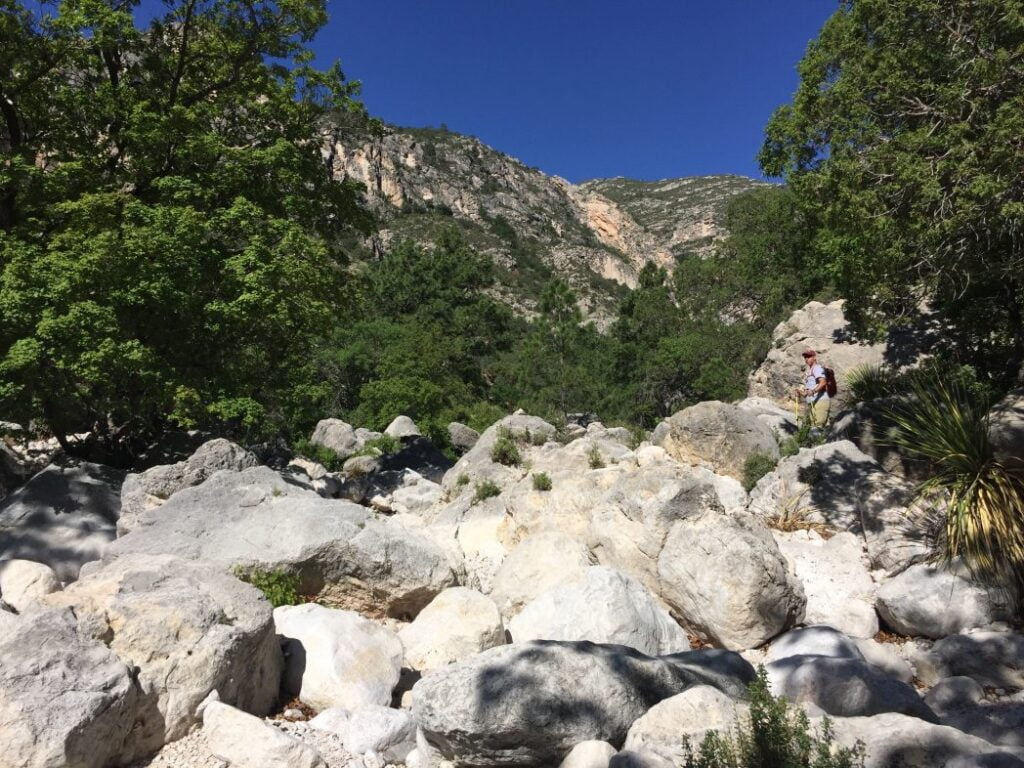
pixel 647 89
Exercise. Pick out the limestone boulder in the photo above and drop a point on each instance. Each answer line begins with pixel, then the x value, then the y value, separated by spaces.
pixel 719 435
pixel 337 658
pixel 65 699
pixel 64 517
pixel 462 437
pixel 245 741
pixel 824 328
pixel 933 601
pixel 842 488
pixel 530 704
pixel 338 436
pixel 892 739
pixel 477 464
pixel 843 687
pixel 536 564
pixel 815 640
pixel 187 629
pixel 148 490
pixel 401 427
pixel 601 605
pixel 726 577
pixel 869 426
pixel 589 754
pixel 665 728
pixel 456 624
pixel 834 573
pixel 390 733
pixel 256 519
pixel 781 421
pixel 24 582
pixel 994 659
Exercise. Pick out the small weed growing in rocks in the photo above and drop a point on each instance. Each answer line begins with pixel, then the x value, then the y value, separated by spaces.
pixel 594 458
pixel 541 481
pixel 278 586
pixel 505 451
pixel 755 467
pixel 320 454
pixel 485 490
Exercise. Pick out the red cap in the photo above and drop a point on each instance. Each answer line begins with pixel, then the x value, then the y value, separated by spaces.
pixel 810 353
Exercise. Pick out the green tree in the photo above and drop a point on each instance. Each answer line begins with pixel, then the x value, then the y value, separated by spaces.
pixel 903 140
pixel 168 227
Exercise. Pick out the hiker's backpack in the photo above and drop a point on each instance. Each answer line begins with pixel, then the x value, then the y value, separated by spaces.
pixel 831 387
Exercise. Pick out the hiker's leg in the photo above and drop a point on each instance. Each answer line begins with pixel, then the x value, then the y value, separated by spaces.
pixel 820 411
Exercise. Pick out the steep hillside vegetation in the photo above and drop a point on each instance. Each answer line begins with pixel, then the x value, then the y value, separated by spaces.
pixel 597 236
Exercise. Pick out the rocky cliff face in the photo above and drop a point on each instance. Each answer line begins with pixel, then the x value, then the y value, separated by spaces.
pixel 597 235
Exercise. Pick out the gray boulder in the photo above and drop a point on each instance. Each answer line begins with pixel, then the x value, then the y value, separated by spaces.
pixel 891 739
pixel 843 687
pixel 993 659
pixel 65 699
pixel 150 489
pixel 337 658
pixel 186 629
pixel 537 563
pixel 819 640
pixel 462 437
pixel 24 582
pixel 336 435
pixel 665 728
pixel 477 464
pixel 339 550
pixel 719 434
pixel 601 605
pixel 402 426
pixel 390 733
pixel 249 742
pixel 589 754
pixel 725 576
pixel 934 602
pixel 531 704
pixel 781 421
pixel 839 486
pixel 458 623
pixel 839 588
pixel 63 517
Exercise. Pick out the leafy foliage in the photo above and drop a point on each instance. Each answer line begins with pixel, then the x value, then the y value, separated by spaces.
pixel 777 735
pixel 505 451
pixel 486 489
pixel 321 454
pixel 756 466
pixel 979 497
pixel 898 144
pixel 278 586
pixel 167 224
pixel 541 481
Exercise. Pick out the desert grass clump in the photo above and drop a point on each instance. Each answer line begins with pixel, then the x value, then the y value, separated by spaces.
pixel 485 490
pixel 505 451
pixel 594 458
pixel 979 498
pixel 541 481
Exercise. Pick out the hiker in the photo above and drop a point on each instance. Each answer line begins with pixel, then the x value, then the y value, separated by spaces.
pixel 815 390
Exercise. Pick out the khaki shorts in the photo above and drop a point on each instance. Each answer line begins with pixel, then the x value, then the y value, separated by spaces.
pixel 818 411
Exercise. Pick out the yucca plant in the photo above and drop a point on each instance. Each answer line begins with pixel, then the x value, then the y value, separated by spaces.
pixel 870 382
pixel 980 498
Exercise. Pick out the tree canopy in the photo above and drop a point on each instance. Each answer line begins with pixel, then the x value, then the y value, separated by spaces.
pixel 904 142
pixel 168 227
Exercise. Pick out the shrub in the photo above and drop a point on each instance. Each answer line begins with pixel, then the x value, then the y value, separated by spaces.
pixel 320 454
pixel 756 466
pixel 485 490
pixel 775 735
pixel 505 451
pixel 871 382
pixel 541 481
pixel 278 586
pixel 807 436
pixel 594 458
pixel 462 480
pixel 979 498
pixel 380 446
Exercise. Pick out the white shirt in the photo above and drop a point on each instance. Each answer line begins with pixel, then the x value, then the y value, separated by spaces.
pixel 816 372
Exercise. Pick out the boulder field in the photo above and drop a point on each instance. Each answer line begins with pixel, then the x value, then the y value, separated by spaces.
pixel 474 616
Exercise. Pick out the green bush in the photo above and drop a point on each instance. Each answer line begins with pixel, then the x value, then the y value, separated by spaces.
pixel 380 446
pixel 979 498
pixel 278 586
pixel 541 481
pixel 320 454
pixel 775 736
pixel 485 490
pixel 806 437
pixel 462 480
pixel 505 451
pixel 756 466
pixel 594 458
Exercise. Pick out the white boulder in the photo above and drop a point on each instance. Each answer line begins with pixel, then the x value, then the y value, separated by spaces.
pixel 24 582
pixel 248 742
pixel 457 623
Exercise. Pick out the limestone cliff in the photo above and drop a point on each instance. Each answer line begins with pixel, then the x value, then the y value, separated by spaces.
pixel 597 235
